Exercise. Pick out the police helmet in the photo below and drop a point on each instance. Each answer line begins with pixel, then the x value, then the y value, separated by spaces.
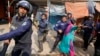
pixel 23 4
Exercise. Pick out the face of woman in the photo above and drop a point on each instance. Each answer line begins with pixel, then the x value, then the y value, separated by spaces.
pixel 69 16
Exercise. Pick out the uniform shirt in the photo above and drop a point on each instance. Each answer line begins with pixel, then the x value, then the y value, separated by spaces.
pixel 43 25
pixel 89 28
pixel 21 31
pixel 61 25
pixel 88 23
pixel 97 43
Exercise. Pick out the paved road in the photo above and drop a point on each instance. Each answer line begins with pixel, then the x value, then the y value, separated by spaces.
pixel 48 44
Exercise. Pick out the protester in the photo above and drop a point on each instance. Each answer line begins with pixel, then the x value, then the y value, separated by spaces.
pixel 21 30
pixel 69 16
pixel 66 44
pixel 59 28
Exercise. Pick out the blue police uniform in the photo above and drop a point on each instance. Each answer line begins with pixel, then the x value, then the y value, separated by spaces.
pixel 42 33
pixel 43 26
pixel 97 43
pixel 87 32
pixel 21 32
pixel 60 26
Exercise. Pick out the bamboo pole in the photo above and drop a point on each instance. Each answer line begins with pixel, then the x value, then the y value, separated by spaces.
pixel 9 17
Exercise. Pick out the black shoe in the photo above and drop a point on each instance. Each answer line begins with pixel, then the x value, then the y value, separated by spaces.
pixel 44 39
pixel 84 49
pixel 40 51
pixel 51 51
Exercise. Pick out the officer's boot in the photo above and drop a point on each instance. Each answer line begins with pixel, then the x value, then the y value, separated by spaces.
pixel 40 46
pixel 44 39
pixel 54 46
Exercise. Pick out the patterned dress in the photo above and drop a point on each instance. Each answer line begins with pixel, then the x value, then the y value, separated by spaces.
pixel 64 45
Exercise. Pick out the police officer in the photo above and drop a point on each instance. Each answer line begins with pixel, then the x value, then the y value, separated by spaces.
pixel 59 28
pixel 42 31
pixel 21 30
pixel 97 43
pixel 87 27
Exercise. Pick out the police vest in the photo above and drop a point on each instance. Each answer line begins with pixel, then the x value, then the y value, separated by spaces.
pixel 25 37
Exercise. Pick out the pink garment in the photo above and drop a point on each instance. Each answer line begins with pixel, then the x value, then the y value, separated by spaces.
pixel 71 51
pixel 68 28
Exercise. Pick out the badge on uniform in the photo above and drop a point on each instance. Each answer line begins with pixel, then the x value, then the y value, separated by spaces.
pixel 24 23
pixel 13 27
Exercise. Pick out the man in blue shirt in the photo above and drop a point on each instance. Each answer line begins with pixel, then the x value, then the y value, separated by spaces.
pixel 97 43
pixel 59 28
pixel 42 31
pixel 87 27
pixel 21 31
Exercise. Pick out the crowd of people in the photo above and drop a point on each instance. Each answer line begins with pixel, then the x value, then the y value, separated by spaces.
pixel 21 31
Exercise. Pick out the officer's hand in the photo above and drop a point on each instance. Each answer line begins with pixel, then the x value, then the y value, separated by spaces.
pixel 60 31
